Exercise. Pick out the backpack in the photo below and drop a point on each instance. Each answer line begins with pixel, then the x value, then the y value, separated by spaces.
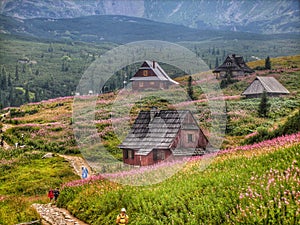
pixel 50 194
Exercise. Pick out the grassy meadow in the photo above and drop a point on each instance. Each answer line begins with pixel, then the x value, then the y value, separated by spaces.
pixel 245 184
pixel 256 184
pixel 25 179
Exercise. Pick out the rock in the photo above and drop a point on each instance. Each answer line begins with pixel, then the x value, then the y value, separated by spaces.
pixel 53 215
pixel 48 155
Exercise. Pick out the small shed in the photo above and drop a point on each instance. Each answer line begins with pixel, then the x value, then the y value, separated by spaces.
pixel 268 84
pixel 151 76
pixel 158 135
pixel 234 65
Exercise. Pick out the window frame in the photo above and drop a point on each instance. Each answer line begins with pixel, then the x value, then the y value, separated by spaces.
pixel 129 154
pixel 145 73
pixel 190 138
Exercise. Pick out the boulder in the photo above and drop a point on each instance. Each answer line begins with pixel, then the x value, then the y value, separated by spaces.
pixel 48 155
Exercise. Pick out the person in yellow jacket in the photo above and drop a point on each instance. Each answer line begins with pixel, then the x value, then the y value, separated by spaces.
pixel 122 218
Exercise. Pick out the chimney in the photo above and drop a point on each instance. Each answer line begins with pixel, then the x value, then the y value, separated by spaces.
pixel 153 112
pixel 233 55
pixel 153 64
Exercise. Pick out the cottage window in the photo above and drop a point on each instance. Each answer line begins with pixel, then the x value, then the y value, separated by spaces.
pixel 190 138
pixel 158 155
pixel 162 155
pixel 145 73
pixel 126 154
pixel 130 154
pixel 152 83
pixel 141 84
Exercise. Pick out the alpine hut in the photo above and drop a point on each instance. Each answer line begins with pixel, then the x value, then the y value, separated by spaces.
pixel 158 135
pixel 234 65
pixel 268 84
pixel 151 76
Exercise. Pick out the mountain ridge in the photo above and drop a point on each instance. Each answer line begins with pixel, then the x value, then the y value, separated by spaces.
pixel 281 16
pixel 118 29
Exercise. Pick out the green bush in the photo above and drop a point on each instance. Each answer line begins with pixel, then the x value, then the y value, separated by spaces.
pixel 15 210
pixel 292 125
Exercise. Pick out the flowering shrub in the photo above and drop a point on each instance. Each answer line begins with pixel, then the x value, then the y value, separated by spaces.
pixel 248 184
pixel 271 198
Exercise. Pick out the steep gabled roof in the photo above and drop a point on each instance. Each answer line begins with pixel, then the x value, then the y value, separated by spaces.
pixel 268 84
pixel 160 74
pixel 155 131
pixel 234 63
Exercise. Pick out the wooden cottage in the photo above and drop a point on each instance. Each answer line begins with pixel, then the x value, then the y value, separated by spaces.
pixel 234 65
pixel 157 135
pixel 151 76
pixel 268 84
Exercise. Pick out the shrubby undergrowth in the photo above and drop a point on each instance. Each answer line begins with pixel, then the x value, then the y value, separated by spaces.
pixel 241 186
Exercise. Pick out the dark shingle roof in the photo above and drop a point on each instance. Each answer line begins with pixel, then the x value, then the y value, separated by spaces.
pixel 268 84
pixel 156 133
pixel 234 63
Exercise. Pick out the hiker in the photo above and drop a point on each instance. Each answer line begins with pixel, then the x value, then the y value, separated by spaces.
pixel 56 194
pixel 84 172
pixel 50 194
pixel 122 218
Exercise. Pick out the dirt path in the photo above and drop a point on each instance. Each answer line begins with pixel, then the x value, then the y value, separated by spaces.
pixel 4 128
pixel 52 215
pixel 77 162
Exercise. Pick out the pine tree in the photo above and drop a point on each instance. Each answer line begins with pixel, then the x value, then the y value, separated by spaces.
pixel 23 68
pixel 27 97
pixel 3 79
pixel 17 73
pixel 190 89
pixel 268 63
pixel 9 83
pixel 217 62
pixel 264 105
pixel 50 48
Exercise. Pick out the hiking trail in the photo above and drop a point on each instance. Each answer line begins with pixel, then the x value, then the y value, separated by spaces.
pixel 52 215
pixel 4 128
pixel 77 162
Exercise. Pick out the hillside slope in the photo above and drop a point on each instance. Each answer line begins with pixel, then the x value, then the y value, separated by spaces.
pixel 248 185
pixel 54 116
pixel 224 187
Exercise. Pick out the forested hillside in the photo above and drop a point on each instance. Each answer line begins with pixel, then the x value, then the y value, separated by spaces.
pixel 31 71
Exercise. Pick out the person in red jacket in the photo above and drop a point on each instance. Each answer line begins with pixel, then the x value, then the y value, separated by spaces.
pixel 50 194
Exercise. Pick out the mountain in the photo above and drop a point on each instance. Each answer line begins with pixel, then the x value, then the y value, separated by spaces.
pixel 117 29
pixel 268 16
